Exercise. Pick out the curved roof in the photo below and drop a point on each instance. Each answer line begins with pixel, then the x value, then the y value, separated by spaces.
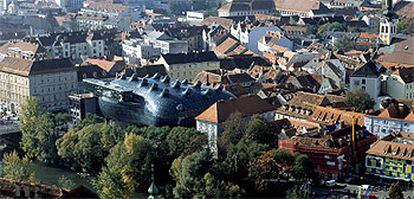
pixel 164 99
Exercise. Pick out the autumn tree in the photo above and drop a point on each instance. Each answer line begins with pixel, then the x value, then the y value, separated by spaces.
pixel 262 169
pixel 127 169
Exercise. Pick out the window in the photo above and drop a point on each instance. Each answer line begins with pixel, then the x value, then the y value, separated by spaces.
pixel 364 81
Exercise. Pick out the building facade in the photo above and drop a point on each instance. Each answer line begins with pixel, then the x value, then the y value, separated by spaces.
pixel 400 84
pixel 185 66
pixel 367 78
pixel 50 81
pixel 392 158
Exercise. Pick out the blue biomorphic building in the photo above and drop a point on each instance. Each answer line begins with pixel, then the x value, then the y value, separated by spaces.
pixel 153 100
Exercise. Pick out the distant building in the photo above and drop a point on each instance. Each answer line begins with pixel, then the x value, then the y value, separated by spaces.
pixel 306 8
pixel 392 157
pixel 150 46
pixel 340 4
pixel 70 5
pixel 237 8
pixel 3 6
pixel 75 45
pixel 250 35
pixel 50 81
pixel 187 65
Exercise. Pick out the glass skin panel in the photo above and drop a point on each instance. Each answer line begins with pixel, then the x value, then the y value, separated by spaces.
pixel 146 106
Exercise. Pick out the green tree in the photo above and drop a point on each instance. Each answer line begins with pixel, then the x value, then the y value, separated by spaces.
pixel 344 44
pixel 17 168
pixel 38 134
pixel 215 188
pixel 303 169
pixel 395 191
pixel 259 130
pixel 330 27
pixel 65 182
pixel 295 193
pixel 127 169
pixel 189 172
pixel 88 120
pixel 359 100
pixel 284 160
pixel 180 139
pixel 233 130
pixel 405 26
pixel 87 148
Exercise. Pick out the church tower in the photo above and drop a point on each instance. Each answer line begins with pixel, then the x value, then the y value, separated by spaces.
pixel 388 24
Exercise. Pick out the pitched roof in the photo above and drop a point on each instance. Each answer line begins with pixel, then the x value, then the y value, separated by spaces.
pixel 402 54
pixel 107 65
pixel 406 74
pixel 20 47
pixel 24 67
pixel 183 58
pixel 369 69
pixel 246 105
pixel 230 46
pixel 303 6
pixel 392 150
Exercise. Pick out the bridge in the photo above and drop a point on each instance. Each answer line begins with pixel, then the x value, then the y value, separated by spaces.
pixel 9 127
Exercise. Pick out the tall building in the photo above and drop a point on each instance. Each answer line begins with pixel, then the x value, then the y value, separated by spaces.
pixel 388 25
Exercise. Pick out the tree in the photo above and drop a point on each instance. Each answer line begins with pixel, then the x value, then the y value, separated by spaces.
pixel 38 134
pixel 406 26
pixel 17 168
pixel 302 168
pixel 180 139
pixel 88 120
pixel 65 182
pixel 127 168
pixel 395 191
pixel 262 169
pixel 259 130
pixel 284 160
pixel 359 100
pixel 344 44
pixel 188 173
pixel 296 192
pixel 233 130
pixel 330 27
pixel 87 148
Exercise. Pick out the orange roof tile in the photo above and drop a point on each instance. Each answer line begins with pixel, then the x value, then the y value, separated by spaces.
pixel 246 105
